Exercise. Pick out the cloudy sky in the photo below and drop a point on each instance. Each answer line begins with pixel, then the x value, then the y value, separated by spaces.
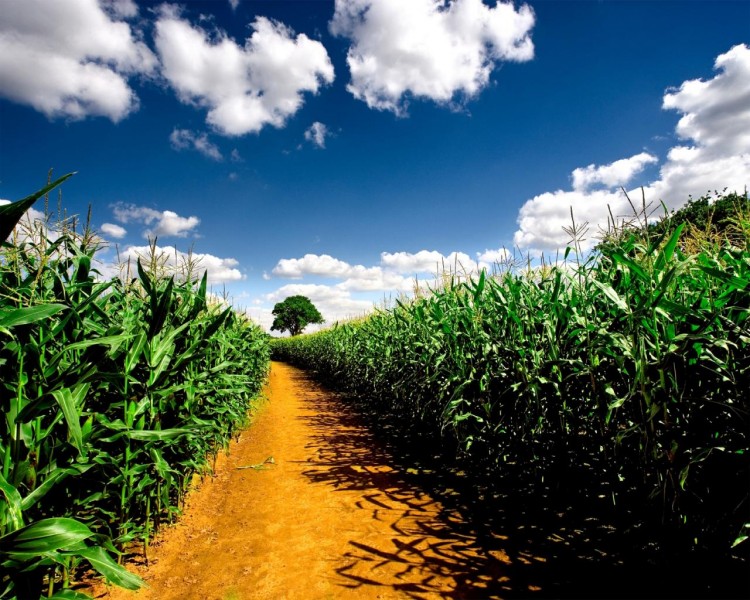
pixel 340 149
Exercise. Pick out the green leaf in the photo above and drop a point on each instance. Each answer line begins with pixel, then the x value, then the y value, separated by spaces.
pixel 70 402
pixel 479 288
pixel 43 536
pixel 666 254
pixel 50 481
pixel 11 214
pixel 158 434
pixel 145 280
pixel 610 293
pixel 113 341
pixel 30 314
pixel 13 498
pixel 736 282
pixel 103 563
pixel 134 352
pixel 634 267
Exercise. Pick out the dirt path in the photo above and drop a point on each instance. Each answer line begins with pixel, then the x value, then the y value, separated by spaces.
pixel 330 518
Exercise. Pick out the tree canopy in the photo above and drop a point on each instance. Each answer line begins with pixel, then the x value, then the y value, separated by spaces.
pixel 294 314
pixel 719 216
pixel 711 219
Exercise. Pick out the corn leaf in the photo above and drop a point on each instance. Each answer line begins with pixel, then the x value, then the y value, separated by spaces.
pixel 102 562
pixel 11 214
pixel 30 314
pixel 43 536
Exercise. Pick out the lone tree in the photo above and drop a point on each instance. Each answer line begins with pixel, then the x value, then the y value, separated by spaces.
pixel 294 314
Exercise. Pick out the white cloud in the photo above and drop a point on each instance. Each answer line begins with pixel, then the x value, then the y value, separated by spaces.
pixel 716 118
pixel 71 59
pixel 715 122
pixel 243 88
pixel 616 174
pixel 261 316
pixel 716 113
pixel 316 134
pixel 113 230
pixel 429 49
pixel 311 264
pixel 220 270
pixel 541 220
pixel 395 273
pixel 375 279
pixel 426 261
pixel 182 139
pixel 234 4
pixel 354 277
pixel 121 9
pixel 163 223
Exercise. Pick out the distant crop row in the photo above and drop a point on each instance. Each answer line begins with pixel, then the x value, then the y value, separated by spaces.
pixel 113 394
pixel 632 365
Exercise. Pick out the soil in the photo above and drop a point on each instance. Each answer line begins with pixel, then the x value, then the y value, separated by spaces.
pixel 311 502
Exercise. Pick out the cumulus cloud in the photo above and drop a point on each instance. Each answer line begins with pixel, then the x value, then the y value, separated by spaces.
pixel 354 277
pixel 114 231
pixel 428 49
pixel 716 119
pixel 316 134
pixel 714 123
pixel 616 174
pixel 220 270
pixel 121 9
pixel 72 59
pixel 161 223
pixel 311 264
pixel 396 271
pixel 426 261
pixel 541 220
pixel 245 87
pixel 182 139
pixel 261 316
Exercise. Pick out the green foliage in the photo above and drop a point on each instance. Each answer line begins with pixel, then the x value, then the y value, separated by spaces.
pixel 113 394
pixel 715 214
pixel 631 367
pixel 708 223
pixel 294 314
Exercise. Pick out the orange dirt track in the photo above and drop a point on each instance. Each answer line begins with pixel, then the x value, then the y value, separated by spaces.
pixel 329 518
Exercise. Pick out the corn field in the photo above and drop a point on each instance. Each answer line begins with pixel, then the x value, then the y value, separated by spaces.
pixel 114 393
pixel 629 366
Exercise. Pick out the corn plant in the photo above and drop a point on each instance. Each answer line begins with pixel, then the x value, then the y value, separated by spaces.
pixel 632 360
pixel 110 401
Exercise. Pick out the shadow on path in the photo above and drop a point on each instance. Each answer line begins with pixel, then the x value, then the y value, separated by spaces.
pixel 494 541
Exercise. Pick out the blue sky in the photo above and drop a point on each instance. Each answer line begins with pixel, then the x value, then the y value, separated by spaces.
pixel 338 150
